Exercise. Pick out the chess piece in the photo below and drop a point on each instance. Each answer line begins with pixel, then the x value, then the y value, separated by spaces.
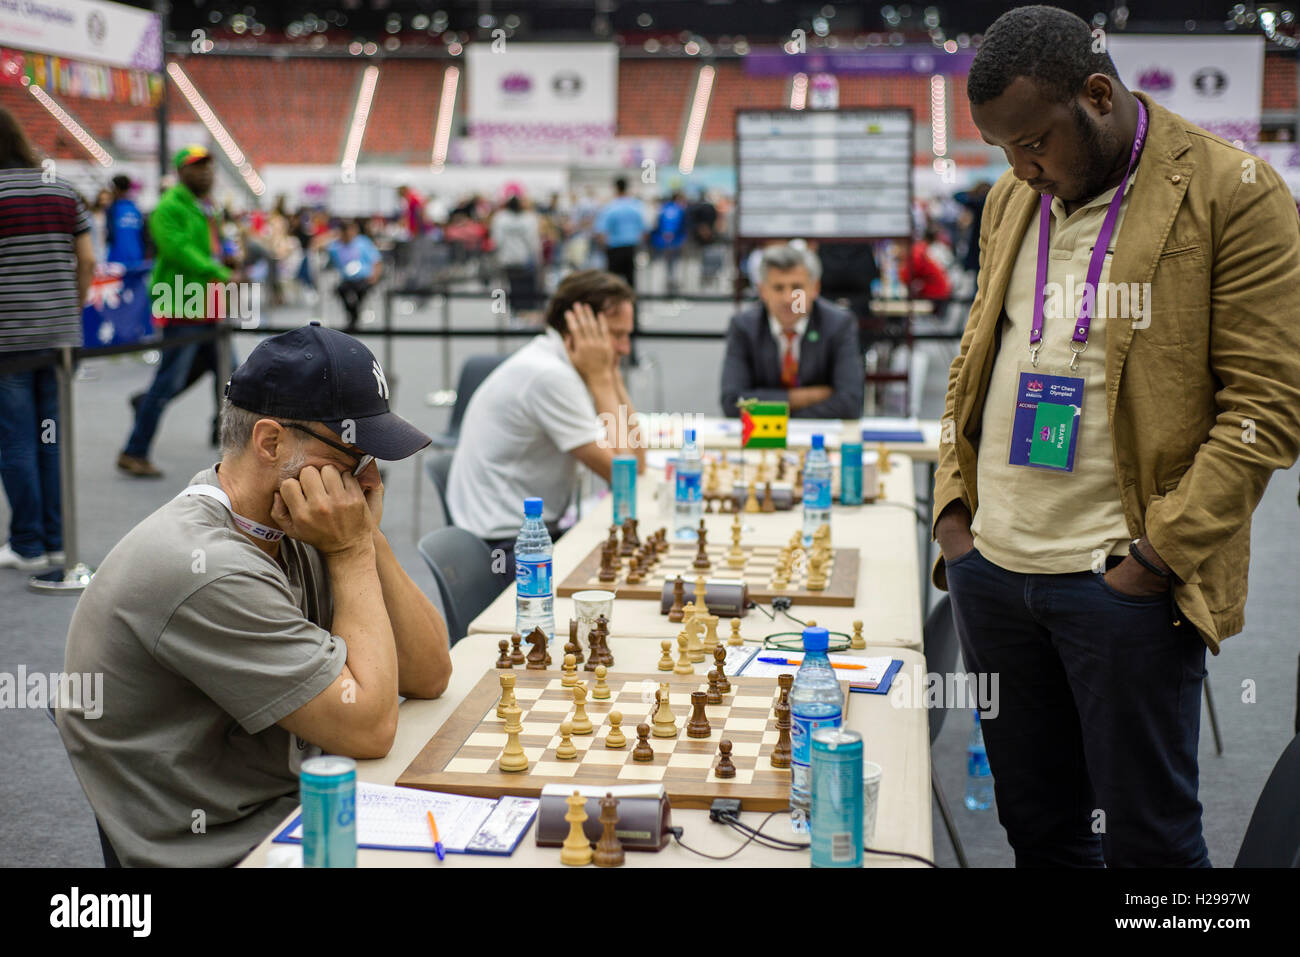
pixel 698 726
pixel 665 722
pixel 614 738
pixel 566 751
pixel 785 682
pixel 720 661
pixel 507 695
pixel 683 666
pixel 694 646
pixel 702 533
pixel 768 505
pixel 513 757
pixel 701 562
pixel 857 642
pixel 609 849
pixel 581 722
pixel 675 613
pixel 736 555
pixel 714 694
pixel 608 568
pixel 643 751
pixel 735 640
pixel 701 586
pixel 570 676
pixel 504 660
pixel 601 691
pixel 598 639
pixel 781 751
pixel 710 623
pixel 576 850
pixel 634 576
pixel 882 459
pixel 573 637
pixel 666 659
pixel 724 768
pixel 538 658
pixel 630 540
pixel 516 653
pixel 781 575
pixel 751 500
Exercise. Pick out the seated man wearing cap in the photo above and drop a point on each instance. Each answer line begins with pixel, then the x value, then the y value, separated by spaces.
pixel 793 346
pixel 257 618
pixel 540 413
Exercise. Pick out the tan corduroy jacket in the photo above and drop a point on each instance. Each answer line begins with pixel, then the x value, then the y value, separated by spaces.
pixel 1204 403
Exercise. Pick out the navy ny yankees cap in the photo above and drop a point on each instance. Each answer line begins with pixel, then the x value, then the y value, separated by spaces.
pixel 315 374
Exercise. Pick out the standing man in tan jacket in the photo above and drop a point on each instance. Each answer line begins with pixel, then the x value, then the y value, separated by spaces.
pixel 1128 382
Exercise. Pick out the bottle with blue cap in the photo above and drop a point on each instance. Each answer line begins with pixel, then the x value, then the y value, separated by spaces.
pixel 689 498
pixel 816 702
pixel 534 591
pixel 816 489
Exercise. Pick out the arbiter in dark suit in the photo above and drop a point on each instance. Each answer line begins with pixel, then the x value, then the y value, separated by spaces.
pixel 792 346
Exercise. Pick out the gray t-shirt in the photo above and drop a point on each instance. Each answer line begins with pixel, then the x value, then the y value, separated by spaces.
pixel 204 642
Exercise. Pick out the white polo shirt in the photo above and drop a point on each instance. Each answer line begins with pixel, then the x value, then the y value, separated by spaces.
pixel 519 428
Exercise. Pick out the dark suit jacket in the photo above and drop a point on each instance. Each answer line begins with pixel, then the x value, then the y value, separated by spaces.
pixel 828 355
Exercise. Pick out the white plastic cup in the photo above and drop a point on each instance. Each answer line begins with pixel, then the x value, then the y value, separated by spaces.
pixel 590 605
pixel 871 773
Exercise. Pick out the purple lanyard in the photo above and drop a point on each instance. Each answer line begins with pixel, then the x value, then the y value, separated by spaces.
pixel 1084 322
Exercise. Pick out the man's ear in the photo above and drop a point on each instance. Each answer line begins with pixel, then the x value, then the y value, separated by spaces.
pixel 265 443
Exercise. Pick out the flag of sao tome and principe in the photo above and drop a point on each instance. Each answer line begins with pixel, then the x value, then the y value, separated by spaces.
pixel 763 425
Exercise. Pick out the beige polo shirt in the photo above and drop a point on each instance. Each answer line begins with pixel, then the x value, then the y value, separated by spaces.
pixel 1032 520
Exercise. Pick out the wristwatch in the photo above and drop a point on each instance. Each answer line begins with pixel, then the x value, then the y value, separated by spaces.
pixel 1145 562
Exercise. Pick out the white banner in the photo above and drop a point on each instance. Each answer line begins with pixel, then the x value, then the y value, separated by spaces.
pixel 109 33
pixel 1215 82
pixel 553 93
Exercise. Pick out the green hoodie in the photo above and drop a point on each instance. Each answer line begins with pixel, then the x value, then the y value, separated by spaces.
pixel 183 265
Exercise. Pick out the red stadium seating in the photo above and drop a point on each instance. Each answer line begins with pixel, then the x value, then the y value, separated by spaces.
pixel 403 112
pixel 654 97
pixel 43 130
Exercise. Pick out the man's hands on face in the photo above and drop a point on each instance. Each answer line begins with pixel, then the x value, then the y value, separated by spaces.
pixel 325 508
pixel 588 342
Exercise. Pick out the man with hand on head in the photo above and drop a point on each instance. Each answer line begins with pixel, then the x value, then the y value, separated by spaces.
pixel 256 619
pixel 558 402
pixel 1107 451
pixel 793 346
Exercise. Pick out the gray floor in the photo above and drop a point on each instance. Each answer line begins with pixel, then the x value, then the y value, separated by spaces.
pixel 44 818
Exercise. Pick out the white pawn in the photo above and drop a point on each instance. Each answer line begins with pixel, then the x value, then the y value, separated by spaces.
pixel 570 676
pixel 614 738
pixel 601 691
pixel 566 751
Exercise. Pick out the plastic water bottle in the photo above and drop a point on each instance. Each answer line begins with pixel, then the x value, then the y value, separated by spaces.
pixel 979 779
pixel 534 595
pixel 816 489
pixel 816 701
pixel 689 501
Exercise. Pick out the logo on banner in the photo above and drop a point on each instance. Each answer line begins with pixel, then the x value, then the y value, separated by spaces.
pixel 1210 82
pixel 96 28
pixel 1155 80
pixel 567 84
pixel 516 86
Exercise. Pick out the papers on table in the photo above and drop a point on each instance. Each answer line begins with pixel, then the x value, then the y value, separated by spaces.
pixel 874 678
pixel 396 819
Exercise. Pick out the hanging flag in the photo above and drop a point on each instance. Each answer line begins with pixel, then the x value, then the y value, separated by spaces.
pixel 763 425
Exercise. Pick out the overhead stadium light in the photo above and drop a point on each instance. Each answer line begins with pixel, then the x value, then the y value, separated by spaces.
pixel 72 126
pixel 446 109
pixel 695 125
pixel 939 115
pixel 799 91
pixel 217 131
pixel 360 117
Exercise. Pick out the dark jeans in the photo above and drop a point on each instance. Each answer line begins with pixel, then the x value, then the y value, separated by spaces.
pixel 621 261
pixel 171 378
pixel 29 467
pixel 1093 749
pixel 352 292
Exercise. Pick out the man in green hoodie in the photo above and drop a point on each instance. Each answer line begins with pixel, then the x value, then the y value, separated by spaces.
pixel 188 259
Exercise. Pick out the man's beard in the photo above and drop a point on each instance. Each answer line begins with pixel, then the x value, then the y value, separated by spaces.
pixel 1095 162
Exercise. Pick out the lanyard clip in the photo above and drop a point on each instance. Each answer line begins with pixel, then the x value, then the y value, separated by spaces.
pixel 1033 355
pixel 1074 359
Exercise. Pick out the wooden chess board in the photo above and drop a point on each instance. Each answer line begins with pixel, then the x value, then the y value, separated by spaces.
pixel 462 757
pixel 760 562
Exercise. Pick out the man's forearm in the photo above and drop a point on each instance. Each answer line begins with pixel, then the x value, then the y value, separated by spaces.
pixel 362 621
pixel 419 633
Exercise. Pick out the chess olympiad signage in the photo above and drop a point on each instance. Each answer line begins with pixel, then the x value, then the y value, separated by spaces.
pixel 108 33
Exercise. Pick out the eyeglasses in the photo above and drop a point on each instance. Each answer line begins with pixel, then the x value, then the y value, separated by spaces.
pixel 363 461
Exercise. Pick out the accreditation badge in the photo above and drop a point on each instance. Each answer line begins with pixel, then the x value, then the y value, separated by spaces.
pixel 1045 427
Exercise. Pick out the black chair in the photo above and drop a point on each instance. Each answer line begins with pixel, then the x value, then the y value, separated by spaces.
pixel 472 374
pixel 437 465
pixel 940 637
pixel 1273 835
pixel 462 567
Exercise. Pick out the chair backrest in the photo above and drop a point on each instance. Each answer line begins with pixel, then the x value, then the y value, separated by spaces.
pixel 1273 835
pixel 472 374
pixel 462 567
pixel 940 638
pixel 437 465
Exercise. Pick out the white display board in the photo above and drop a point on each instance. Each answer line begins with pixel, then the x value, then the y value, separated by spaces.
pixel 1215 82
pixel 841 174
pixel 109 33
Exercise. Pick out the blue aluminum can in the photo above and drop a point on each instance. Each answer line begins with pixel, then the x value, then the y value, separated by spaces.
pixel 851 473
pixel 622 482
pixel 836 798
pixel 328 787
